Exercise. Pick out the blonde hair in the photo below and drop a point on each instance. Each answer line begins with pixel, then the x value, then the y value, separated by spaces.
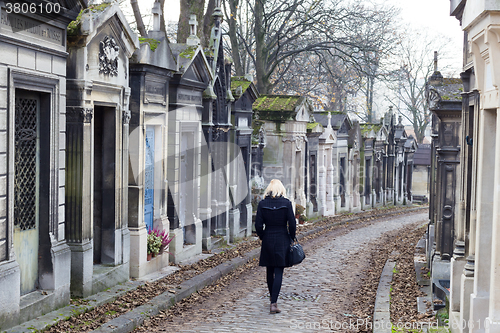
pixel 275 189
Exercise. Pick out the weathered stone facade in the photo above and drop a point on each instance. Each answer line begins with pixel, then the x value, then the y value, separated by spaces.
pixel 315 173
pixel 284 120
pixel 97 141
pixel 245 93
pixel 35 260
pixel 151 69
pixel 187 150
pixel 475 289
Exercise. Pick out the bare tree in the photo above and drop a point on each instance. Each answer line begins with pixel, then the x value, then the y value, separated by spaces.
pixel 284 30
pixel 407 82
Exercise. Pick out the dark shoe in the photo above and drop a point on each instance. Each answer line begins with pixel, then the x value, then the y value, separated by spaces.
pixel 274 308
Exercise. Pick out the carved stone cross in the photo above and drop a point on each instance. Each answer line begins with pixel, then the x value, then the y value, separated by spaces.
pixel 193 25
pixel 156 16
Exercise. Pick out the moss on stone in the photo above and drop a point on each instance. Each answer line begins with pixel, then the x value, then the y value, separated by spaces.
pixel 189 52
pixel 153 43
pixel 239 81
pixel 74 26
pixel 365 128
pixel 277 103
pixel 312 125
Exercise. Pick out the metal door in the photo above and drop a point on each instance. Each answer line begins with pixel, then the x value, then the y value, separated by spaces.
pixel 342 182
pixel 26 185
pixel 149 178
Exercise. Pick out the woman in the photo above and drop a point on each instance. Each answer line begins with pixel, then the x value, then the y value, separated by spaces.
pixel 275 212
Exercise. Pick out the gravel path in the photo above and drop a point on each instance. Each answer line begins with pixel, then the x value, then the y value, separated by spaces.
pixel 316 295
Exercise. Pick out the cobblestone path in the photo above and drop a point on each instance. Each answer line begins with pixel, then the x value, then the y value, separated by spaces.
pixel 311 294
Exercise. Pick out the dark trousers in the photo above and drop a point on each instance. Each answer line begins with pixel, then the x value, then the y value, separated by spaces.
pixel 274 280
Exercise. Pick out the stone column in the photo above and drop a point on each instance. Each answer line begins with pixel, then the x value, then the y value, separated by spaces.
pixel 322 179
pixel 79 167
pixel 289 171
pixel 205 186
pixel 234 211
pixel 458 261
pixel 493 318
pixel 330 203
pixel 467 280
pixel 485 192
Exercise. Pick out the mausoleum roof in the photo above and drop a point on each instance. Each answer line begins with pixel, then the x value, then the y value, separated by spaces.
pixel 239 81
pixel 450 90
pixel 240 84
pixel 336 121
pixel 278 103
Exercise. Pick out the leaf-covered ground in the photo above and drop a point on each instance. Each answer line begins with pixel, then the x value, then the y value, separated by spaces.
pixel 95 318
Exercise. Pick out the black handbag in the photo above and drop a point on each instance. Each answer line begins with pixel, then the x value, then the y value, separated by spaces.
pixel 296 254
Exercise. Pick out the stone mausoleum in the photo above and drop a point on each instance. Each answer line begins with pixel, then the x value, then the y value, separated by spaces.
pixel 100 44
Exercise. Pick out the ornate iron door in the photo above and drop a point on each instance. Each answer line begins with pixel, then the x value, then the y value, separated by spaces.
pixel 149 172
pixel 26 173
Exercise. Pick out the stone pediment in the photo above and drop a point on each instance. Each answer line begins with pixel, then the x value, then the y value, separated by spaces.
pixel 109 42
pixel 328 136
pixel 382 134
pixel 345 125
pixel 192 64
pixel 369 135
pixel 105 16
pixel 303 113
pixel 155 50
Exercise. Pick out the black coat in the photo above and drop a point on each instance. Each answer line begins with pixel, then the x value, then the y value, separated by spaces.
pixel 276 214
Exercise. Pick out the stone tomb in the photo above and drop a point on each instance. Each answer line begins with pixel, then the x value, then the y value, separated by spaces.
pixel 315 204
pixel 380 167
pixel 400 138
pixel 97 149
pixel 216 126
pixel 285 119
pixel 151 68
pixel 354 144
pixel 326 181
pixel 342 193
pixel 240 216
pixel 34 258
pixel 187 149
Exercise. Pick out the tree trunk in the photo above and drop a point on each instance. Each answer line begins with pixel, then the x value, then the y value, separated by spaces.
pixel 189 7
pixel 369 99
pixel 138 18
pixel 263 84
pixel 233 5
pixel 419 131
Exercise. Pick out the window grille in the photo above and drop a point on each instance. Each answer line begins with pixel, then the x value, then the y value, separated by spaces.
pixel 25 163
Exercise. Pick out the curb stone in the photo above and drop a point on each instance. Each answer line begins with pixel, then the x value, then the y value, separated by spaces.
pixel 135 318
pixel 381 313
